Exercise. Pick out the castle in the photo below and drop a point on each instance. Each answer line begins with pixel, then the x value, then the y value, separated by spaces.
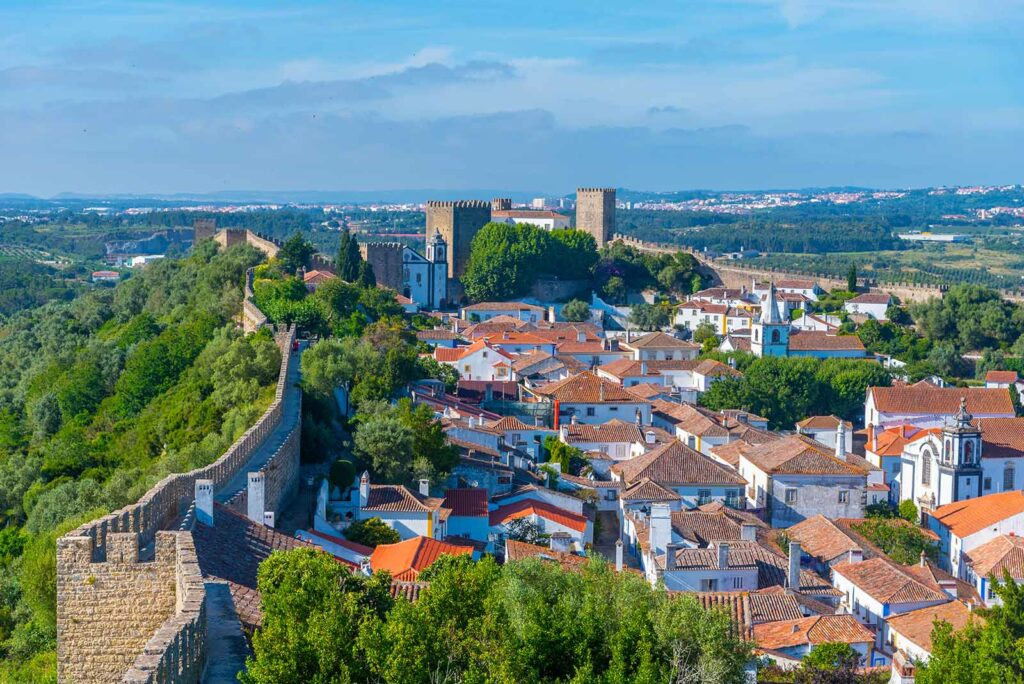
pixel 458 223
pixel 595 213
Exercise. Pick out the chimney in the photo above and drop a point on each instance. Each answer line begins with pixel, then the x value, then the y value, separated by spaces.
pixel 871 436
pixel 257 498
pixel 424 487
pixel 924 559
pixel 723 555
pixel 793 578
pixel 614 344
pixel 855 555
pixel 649 437
pixel 204 502
pixel 661 528
pixel 643 368
pixel 670 555
pixel 618 556
pixel 841 440
pixel 559 541
pixel 268 518
pixel 629 335
pixel 600 390
pixel 748 532
pixel 364 489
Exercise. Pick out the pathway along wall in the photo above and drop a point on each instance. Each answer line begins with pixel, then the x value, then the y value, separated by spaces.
pixel 130 597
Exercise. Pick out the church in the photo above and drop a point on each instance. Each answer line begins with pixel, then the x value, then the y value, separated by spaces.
pixel 421 278
pixel 773 335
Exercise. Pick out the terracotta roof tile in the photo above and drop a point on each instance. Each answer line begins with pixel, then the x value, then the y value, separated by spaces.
pixel 735 604
pixel 587 388
pixel 771 566
pixel 517 551
pixel 917 625
pixel 926 398
pixel 704 527
pixel 818 629
pixel 690 418
pixel 871 298
pixel 822 538
pixel 527 507
pixel 467 501
pixel 504 306
pixel 648 490
pixel 675 463
pixel 964 518
pixel 410 591
pixel 660 340
pixel 823 423
pixel 886 582
pixel 407 559
pixel 438 334
pixel 813 340
pixel 648 391
pixel 772 607
pixel 398 498
pixel 1007 376
pixel 799 454
pixel 1005 552
pixel 614 430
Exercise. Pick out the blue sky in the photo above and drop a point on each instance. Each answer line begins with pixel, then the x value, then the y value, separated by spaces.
pixel 172 96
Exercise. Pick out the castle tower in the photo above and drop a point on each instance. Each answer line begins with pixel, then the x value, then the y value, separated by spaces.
pixel 203 229
pixel 501 204
pixel 458 222
pixel 595 213
pixel 769 336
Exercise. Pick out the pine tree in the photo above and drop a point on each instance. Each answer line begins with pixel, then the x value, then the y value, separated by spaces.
pixel 851 278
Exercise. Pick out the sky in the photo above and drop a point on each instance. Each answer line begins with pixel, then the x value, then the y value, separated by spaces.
pixel 115 96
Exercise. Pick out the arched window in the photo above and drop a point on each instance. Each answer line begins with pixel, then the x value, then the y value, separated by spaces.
pixel 775 337
pixel 947 451
pixel 926 466
pixel 969 452
pixel 757 334
pixel 1008 478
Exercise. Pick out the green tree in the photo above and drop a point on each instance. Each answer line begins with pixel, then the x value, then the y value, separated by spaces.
pixel 703 332
pixel 829 663
pixel 386 443
pixel 615 290
pixel 371 532
pixel 651 317
pixel 851 278
pixel 576 310
pixel 366 277
pixel 908 511
pixel 295 253
pixel 349 258
pixel 901 540
pixel 342 475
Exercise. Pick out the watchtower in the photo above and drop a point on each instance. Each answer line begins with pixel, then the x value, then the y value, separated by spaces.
pixel 595 213
pixel 458 222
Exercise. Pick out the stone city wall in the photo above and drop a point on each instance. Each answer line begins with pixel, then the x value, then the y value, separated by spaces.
pixel 111 599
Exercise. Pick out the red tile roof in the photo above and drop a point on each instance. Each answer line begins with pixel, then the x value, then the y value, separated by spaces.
pixel 528 507
pixel 468 501
pixel 660 340
pixel 1008 377
pixel 886 582
pixel 926 398
pixel 818 629
pixel 871 298
pixel 917 625
pixel 799 454
pixel 504 306
pixel 614 430
pixel 587 388
pixel 407 559
pixel 397 498
pixel 675 463
pixel 815 340
pixel 964 518
pixel 1005 552
pixel 823 423
pixel 648 490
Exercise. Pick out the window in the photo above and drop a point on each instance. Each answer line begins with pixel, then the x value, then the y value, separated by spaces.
pixel 844 497
pixel 610 495
pixel 590 411
pixel 613 408
pixel 1008 478
pixel 504 479
pixel 466 368
pixel 775 337
pixel 703 496
pixel 791 496
pixel 709 585
pixel 737 582
pixel 969 452
pixel 926 466
pixel 988 482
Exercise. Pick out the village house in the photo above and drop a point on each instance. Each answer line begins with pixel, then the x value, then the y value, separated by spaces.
pixel 910 635
pixel 659 346
pixel 686 379
pixel 796 477
pixel 574 529
pixel 824 428
pixel 411 514
pixel 485 311
pixel 925 405
pixel 469 513
pixel 591 353
pixel 521 343
pixel 995 558
pixel 805 287
pixel 538 367
pixel 479 361
pixel 724 319
pixel 438 337
pixel 875 590
pixel 407 559
pixel 680 471
pixel 966 525
pixel 789 641
pixel 616 438
pixel 1001 379
pixel 703 429
pixel 870 304
pixel 591 399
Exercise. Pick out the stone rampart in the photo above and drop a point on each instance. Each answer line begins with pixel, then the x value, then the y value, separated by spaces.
pixel 112 600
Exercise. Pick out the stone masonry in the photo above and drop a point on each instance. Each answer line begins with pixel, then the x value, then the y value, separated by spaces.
pixel 595 213
pixel 458 223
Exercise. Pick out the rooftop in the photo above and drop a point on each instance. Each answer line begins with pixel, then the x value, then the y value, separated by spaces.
pixel 1005 552
pixel 799 455
pixel 660 340
pixel 587 388
pixel 815 340
pixel 407 559
pixel 916 626
pixel 814 630
pixel 964 518
pixel 887 582
pixel 926 398
pixel 675 463
pixel 542 509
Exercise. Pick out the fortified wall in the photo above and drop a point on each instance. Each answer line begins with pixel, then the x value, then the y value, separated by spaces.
pixel 736 276
pixel 131 602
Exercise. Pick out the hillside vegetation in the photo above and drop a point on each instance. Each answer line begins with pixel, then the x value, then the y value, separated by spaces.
pixel 102 396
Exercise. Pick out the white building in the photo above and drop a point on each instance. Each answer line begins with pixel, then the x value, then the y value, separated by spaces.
pixel 479 361
pixel 542 218
pixel 871 304
pixel 592 399
pixel 966 525
pixel 925 405
pixel 487 310
pixel 659 346
pixel 421 279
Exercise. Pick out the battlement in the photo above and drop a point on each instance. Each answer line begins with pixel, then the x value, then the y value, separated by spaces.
pixel 594 190
pixel 458 204
pixel 501 204
pixel 382 245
